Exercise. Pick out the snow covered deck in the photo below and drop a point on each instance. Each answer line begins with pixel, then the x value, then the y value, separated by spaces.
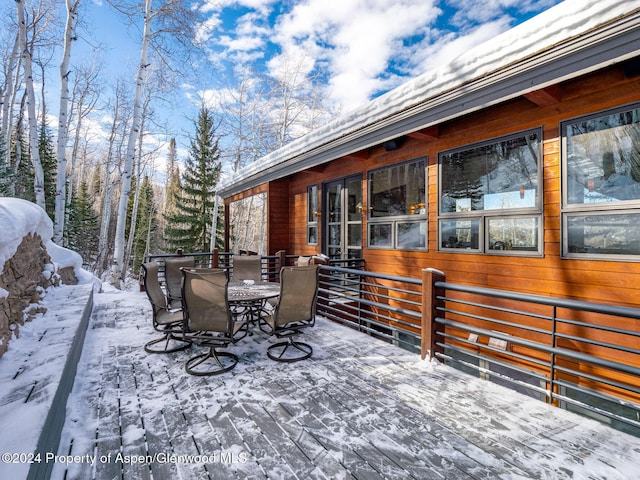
pixel 359 408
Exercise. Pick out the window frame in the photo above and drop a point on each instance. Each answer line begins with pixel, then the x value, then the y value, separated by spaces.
pixel 392 221
pixel 485 216
pixel 600 209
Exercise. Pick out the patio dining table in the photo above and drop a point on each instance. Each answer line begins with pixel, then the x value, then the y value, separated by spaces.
pixel 252 291
pixel 252 296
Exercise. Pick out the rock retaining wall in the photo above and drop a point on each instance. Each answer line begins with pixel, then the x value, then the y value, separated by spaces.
pixel 25 276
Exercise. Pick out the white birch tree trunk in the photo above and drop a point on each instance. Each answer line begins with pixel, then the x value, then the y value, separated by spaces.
pixel 63 121
pixel 119 242
pixel 38 183
pixel 134 211
pixel 8 98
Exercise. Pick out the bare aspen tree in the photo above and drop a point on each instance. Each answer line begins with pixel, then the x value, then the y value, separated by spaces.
pixel 63 120
pixel 27 65
pixel 11 71
pixel 116 138
pixel 247 121
pixel 175 19
pixel 86 92
pixel 140 169
pixel 290 91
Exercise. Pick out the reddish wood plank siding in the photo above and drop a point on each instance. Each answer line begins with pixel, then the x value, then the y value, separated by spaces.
pixel 593 280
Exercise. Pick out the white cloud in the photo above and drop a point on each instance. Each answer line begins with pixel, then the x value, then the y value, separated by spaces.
pixel 357 39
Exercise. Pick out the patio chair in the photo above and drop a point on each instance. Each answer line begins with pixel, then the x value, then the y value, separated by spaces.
pixel 208 321
pixel 294 312
pixel 173 277
pixel 247 267
pixel 165 318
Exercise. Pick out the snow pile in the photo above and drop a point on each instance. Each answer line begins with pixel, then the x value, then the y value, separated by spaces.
pixel 18 218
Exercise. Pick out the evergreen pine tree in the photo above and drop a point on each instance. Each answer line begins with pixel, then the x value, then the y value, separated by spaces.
pixel 83 225
pixel 23 175
pixel 49 167
pixel 189 227
pixel 145 240
pixel 5 172
pixel 172 188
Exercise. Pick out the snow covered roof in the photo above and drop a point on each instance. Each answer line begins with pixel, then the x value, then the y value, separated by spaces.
pixel 571 39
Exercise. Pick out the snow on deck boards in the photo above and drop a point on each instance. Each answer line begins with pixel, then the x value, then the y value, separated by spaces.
pixel 358 408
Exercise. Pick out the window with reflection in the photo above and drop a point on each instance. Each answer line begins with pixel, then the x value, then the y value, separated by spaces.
pixel 601 197
pixel 490 200
pixel 312 215
pixel 397 212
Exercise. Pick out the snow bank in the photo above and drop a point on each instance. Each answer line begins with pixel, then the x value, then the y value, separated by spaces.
pixel 20 217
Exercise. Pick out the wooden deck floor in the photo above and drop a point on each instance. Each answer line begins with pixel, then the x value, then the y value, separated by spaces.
pixel 358 409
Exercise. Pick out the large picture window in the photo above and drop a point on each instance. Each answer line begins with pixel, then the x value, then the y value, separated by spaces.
pixel 601 179
pixel 397 206
pixel 490 199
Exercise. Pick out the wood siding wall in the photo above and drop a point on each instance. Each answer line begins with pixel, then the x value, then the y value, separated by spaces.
pixel 616 282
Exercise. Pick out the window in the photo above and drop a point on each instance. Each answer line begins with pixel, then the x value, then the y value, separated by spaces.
pixel 489 196
pixel 397 215
pixel 601 184
pixel 312 215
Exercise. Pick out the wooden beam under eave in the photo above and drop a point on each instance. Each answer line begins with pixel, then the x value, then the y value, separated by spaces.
pixel 315 169
pixel 361 155
pixel 431 133
pixel 545 96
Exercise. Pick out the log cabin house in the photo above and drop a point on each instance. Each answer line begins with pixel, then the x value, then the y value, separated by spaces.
pixel 515 167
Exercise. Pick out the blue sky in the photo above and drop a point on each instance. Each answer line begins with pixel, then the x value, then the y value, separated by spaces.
pixel 361 47
pixel 358 48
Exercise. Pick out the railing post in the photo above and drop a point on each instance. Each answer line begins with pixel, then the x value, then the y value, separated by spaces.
pixel 281 261
pixel 215 260
pixel 430 304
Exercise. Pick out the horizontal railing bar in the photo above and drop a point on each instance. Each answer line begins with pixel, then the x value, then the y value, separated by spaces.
pixel 599 379
pixel 410 281
pixel 497 374
pixel 496 308
pixel 410 313
pixel 532 360
pixel 542 300
pixel 596 326
pixel 370 317
pixel 612 346
pixel 496 321
pixel 620 367
pixel 602 396
pixel 599 411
